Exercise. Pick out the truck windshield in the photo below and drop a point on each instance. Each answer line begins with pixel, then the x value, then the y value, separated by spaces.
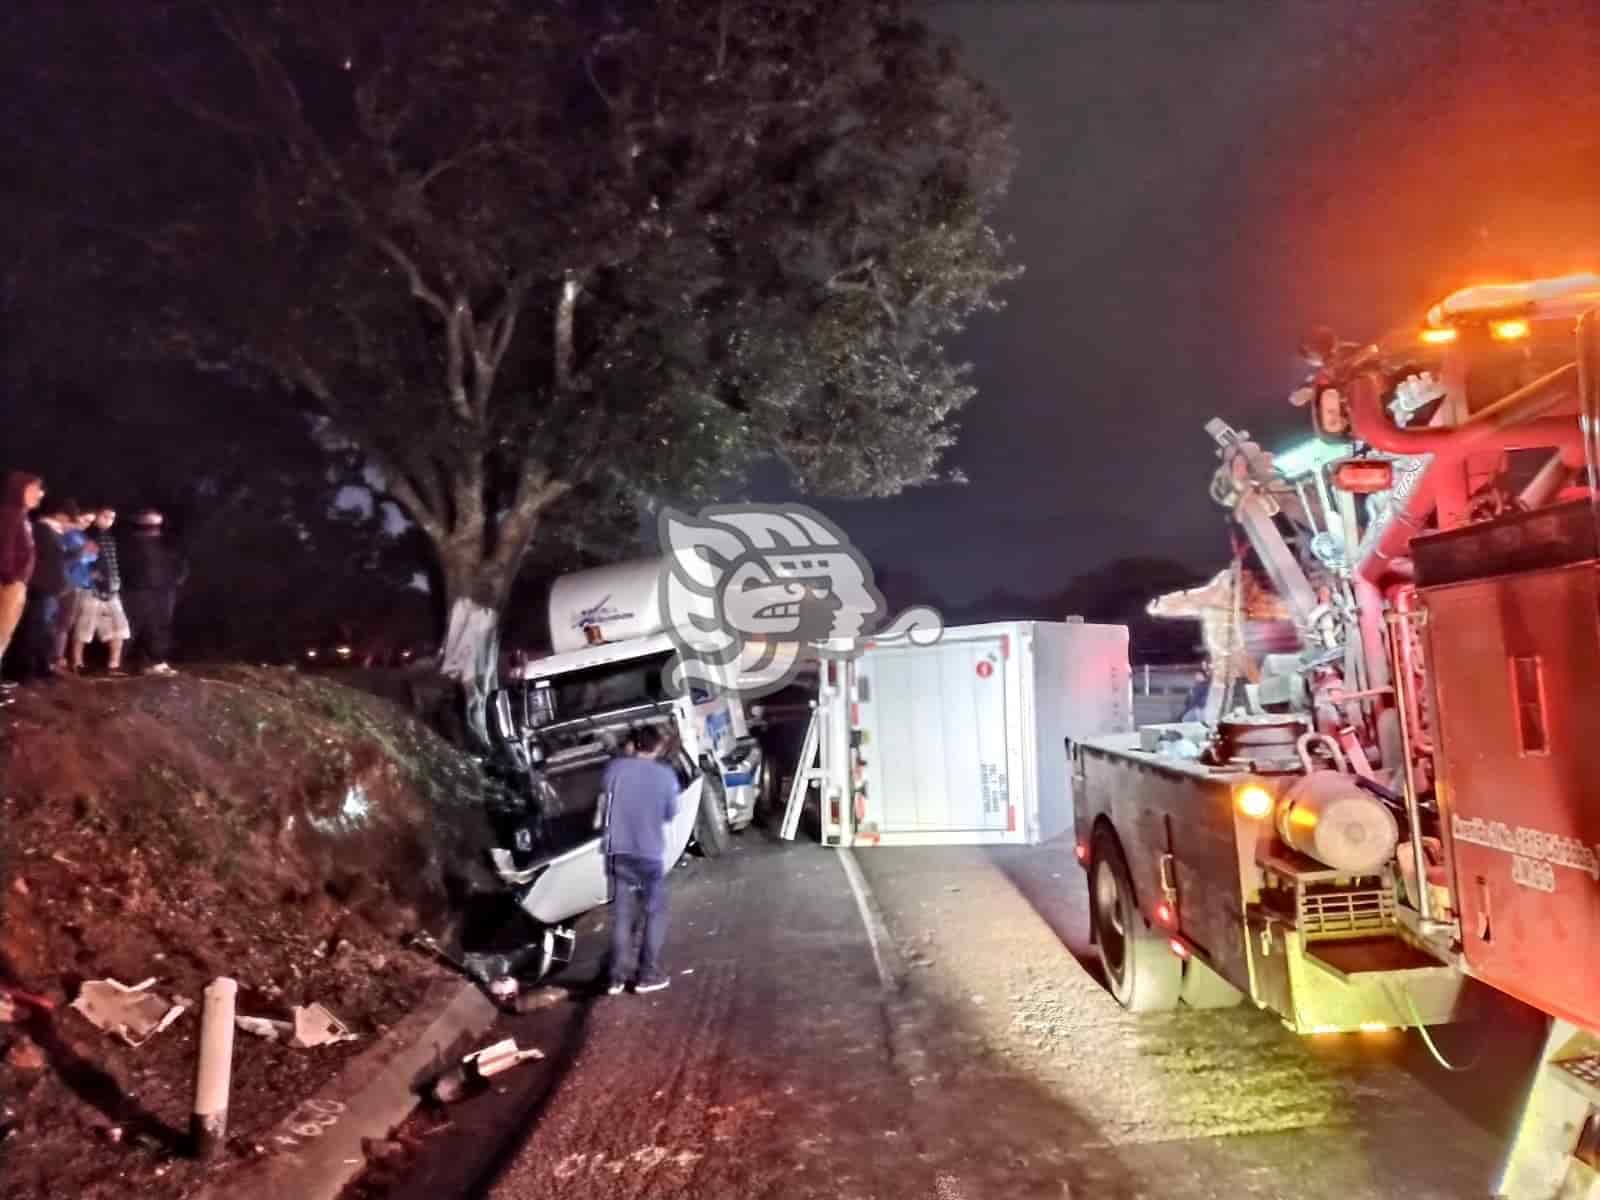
pixel 606 688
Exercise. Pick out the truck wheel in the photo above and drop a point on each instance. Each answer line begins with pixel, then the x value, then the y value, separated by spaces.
pixel 1143 973
pixel 768 806
pixel 711 831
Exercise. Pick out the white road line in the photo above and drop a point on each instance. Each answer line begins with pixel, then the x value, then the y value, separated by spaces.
pixel 877 931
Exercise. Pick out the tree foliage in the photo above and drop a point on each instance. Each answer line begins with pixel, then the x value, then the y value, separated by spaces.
pixel 524 254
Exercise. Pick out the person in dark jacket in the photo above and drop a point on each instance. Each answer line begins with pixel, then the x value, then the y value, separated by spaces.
pixel 22 495
pixel 641 793
pixel 100 613
pixel 151 576
pixel 36 637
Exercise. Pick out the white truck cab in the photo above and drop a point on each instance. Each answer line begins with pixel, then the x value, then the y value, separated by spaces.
pixel 562 718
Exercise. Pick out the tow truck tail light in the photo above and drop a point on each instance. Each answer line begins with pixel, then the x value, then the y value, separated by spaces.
pixel 1254 801
pixel 1082 851
pixel 1179 947
pixel 1164 913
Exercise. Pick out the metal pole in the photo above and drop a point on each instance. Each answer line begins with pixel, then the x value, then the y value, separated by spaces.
pixel 208 1129
pixel 1398 628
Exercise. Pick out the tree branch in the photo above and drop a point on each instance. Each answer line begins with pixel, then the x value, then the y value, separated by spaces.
pixel 454 162
pixel 419 287
pixel 398 485
pixel 566 309
pixel 458 329
pixel 536 491
pixel 203 113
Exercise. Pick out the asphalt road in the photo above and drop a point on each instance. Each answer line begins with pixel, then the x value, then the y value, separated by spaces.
pixel 779 1064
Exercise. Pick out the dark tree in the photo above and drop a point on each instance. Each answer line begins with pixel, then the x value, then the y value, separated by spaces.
pixel 518 252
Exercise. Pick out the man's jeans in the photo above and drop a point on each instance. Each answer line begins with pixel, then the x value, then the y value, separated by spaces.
pixel 638 884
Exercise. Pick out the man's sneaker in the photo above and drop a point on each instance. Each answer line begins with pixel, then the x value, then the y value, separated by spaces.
pixel 615 989
pixel 652 985
pixel 160 668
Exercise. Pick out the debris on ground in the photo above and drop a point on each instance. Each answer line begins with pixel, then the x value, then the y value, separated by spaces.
pixel 265 1027
pixel 232 821
pixel 26 1057
pixel 21 999
pixel 545 997
pixel 382 1149
pixel 135 1014
pixel 480 1066
pixel 314 1025
pixel 495 972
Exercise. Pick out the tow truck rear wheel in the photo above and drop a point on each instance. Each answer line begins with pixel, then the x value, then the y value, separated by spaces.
pixel 1141 970
pixel 711 832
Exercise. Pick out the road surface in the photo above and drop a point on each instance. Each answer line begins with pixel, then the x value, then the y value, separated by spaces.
pixel 933 1034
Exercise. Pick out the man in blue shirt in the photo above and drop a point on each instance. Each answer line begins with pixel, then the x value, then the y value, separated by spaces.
pixel 641 794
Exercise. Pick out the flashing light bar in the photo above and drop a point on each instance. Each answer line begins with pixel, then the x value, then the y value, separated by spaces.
pixel 1512 329
pixel 1437 337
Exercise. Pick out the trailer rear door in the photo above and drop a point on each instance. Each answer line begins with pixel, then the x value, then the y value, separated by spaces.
pixel 939 726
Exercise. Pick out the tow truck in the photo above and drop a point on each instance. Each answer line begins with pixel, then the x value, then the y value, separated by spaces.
pixel 1409 802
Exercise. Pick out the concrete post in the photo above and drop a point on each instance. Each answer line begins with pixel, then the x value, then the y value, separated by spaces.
pixel 208 1128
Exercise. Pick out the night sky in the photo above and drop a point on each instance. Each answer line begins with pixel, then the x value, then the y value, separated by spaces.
pixel 1198 185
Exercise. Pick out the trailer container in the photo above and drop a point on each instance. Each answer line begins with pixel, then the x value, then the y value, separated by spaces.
pixel 961 741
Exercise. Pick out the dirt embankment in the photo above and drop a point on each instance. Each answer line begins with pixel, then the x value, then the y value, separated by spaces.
pixel 276 828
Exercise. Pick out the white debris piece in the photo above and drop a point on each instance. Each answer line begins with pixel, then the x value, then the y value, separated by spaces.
pixel 132 1013
pixel 265 1027
pixel 314 1025
pixel 480 1066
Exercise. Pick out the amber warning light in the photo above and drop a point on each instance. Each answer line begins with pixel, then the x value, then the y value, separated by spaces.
pixel 1436 337
pixel 1254 801
pixel 1510 330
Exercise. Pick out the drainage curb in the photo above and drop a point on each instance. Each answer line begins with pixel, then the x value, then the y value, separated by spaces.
pixel 317 1150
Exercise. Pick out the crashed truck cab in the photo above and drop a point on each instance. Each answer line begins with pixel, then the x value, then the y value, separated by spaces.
pixel 562 718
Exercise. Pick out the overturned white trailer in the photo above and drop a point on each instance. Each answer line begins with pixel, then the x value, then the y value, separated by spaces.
pixel 962 741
